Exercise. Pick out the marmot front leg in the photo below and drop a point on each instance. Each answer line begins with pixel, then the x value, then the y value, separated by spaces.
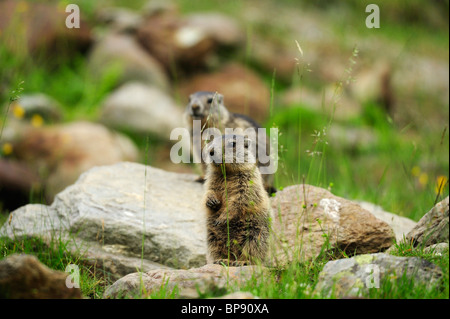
pixel 213 203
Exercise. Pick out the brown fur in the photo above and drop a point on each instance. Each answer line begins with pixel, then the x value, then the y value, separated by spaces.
pixel 210 109
pixel 238 212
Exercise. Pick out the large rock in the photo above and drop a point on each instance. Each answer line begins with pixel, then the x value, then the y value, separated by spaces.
pixel 40 29
pixel 222 29
pixel 178 45
pixel 24 277
pixel 351 277
pixel 401 225
pixel 140 108
pixel 183 283
pixel 305 217
pixel 243 89
pixel 433 227
pixel 61 153
pixel 122 54
pixel 427 75
pixel 119 19
pixel 111 211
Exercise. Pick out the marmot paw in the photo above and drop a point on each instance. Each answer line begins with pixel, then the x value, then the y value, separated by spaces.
pixel 213 203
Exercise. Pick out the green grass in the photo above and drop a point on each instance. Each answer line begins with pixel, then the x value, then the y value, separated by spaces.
pixel 56 255
pixel 390 161
pixel 404 287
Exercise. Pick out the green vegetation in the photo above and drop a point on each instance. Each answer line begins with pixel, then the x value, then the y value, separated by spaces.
pixel 55 255
pixel 402 167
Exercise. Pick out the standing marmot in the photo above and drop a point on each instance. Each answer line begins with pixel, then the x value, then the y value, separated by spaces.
pixel 209 108
pixel 238 207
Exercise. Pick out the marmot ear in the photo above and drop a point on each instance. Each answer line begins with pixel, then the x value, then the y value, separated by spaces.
pixel 247 142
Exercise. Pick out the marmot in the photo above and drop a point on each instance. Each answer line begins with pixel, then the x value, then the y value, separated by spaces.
pixel 238 207
pixel 209 107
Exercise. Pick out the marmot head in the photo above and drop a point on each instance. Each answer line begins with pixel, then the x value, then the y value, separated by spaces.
pixel 232 152
pixel 203 104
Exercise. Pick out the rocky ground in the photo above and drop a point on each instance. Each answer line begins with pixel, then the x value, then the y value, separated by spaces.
pixel 129 216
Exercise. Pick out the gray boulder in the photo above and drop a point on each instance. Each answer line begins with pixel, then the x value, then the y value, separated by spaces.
pixel 143 109
pixel 433 227
pixel 351 277
pixel 120 53
pixel 111 211
pixel 223 29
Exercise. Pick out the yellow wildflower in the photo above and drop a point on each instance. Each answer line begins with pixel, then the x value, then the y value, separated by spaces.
pixel 37 120
pixel 22 6
pixel 423 179
pixel 18 111
pixel 7 148
pixel 441 182
pixel 415 171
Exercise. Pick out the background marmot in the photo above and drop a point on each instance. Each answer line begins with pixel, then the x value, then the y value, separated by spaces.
pixel 209 107
pixel 238 207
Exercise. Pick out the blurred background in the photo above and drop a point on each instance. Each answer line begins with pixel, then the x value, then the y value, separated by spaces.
pixel 363 112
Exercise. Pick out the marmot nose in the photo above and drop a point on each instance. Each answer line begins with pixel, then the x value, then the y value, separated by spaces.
pixel 195 108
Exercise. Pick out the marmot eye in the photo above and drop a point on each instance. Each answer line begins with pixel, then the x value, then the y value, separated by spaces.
pixel 211 153
pixel 233 144
pixel 209 100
